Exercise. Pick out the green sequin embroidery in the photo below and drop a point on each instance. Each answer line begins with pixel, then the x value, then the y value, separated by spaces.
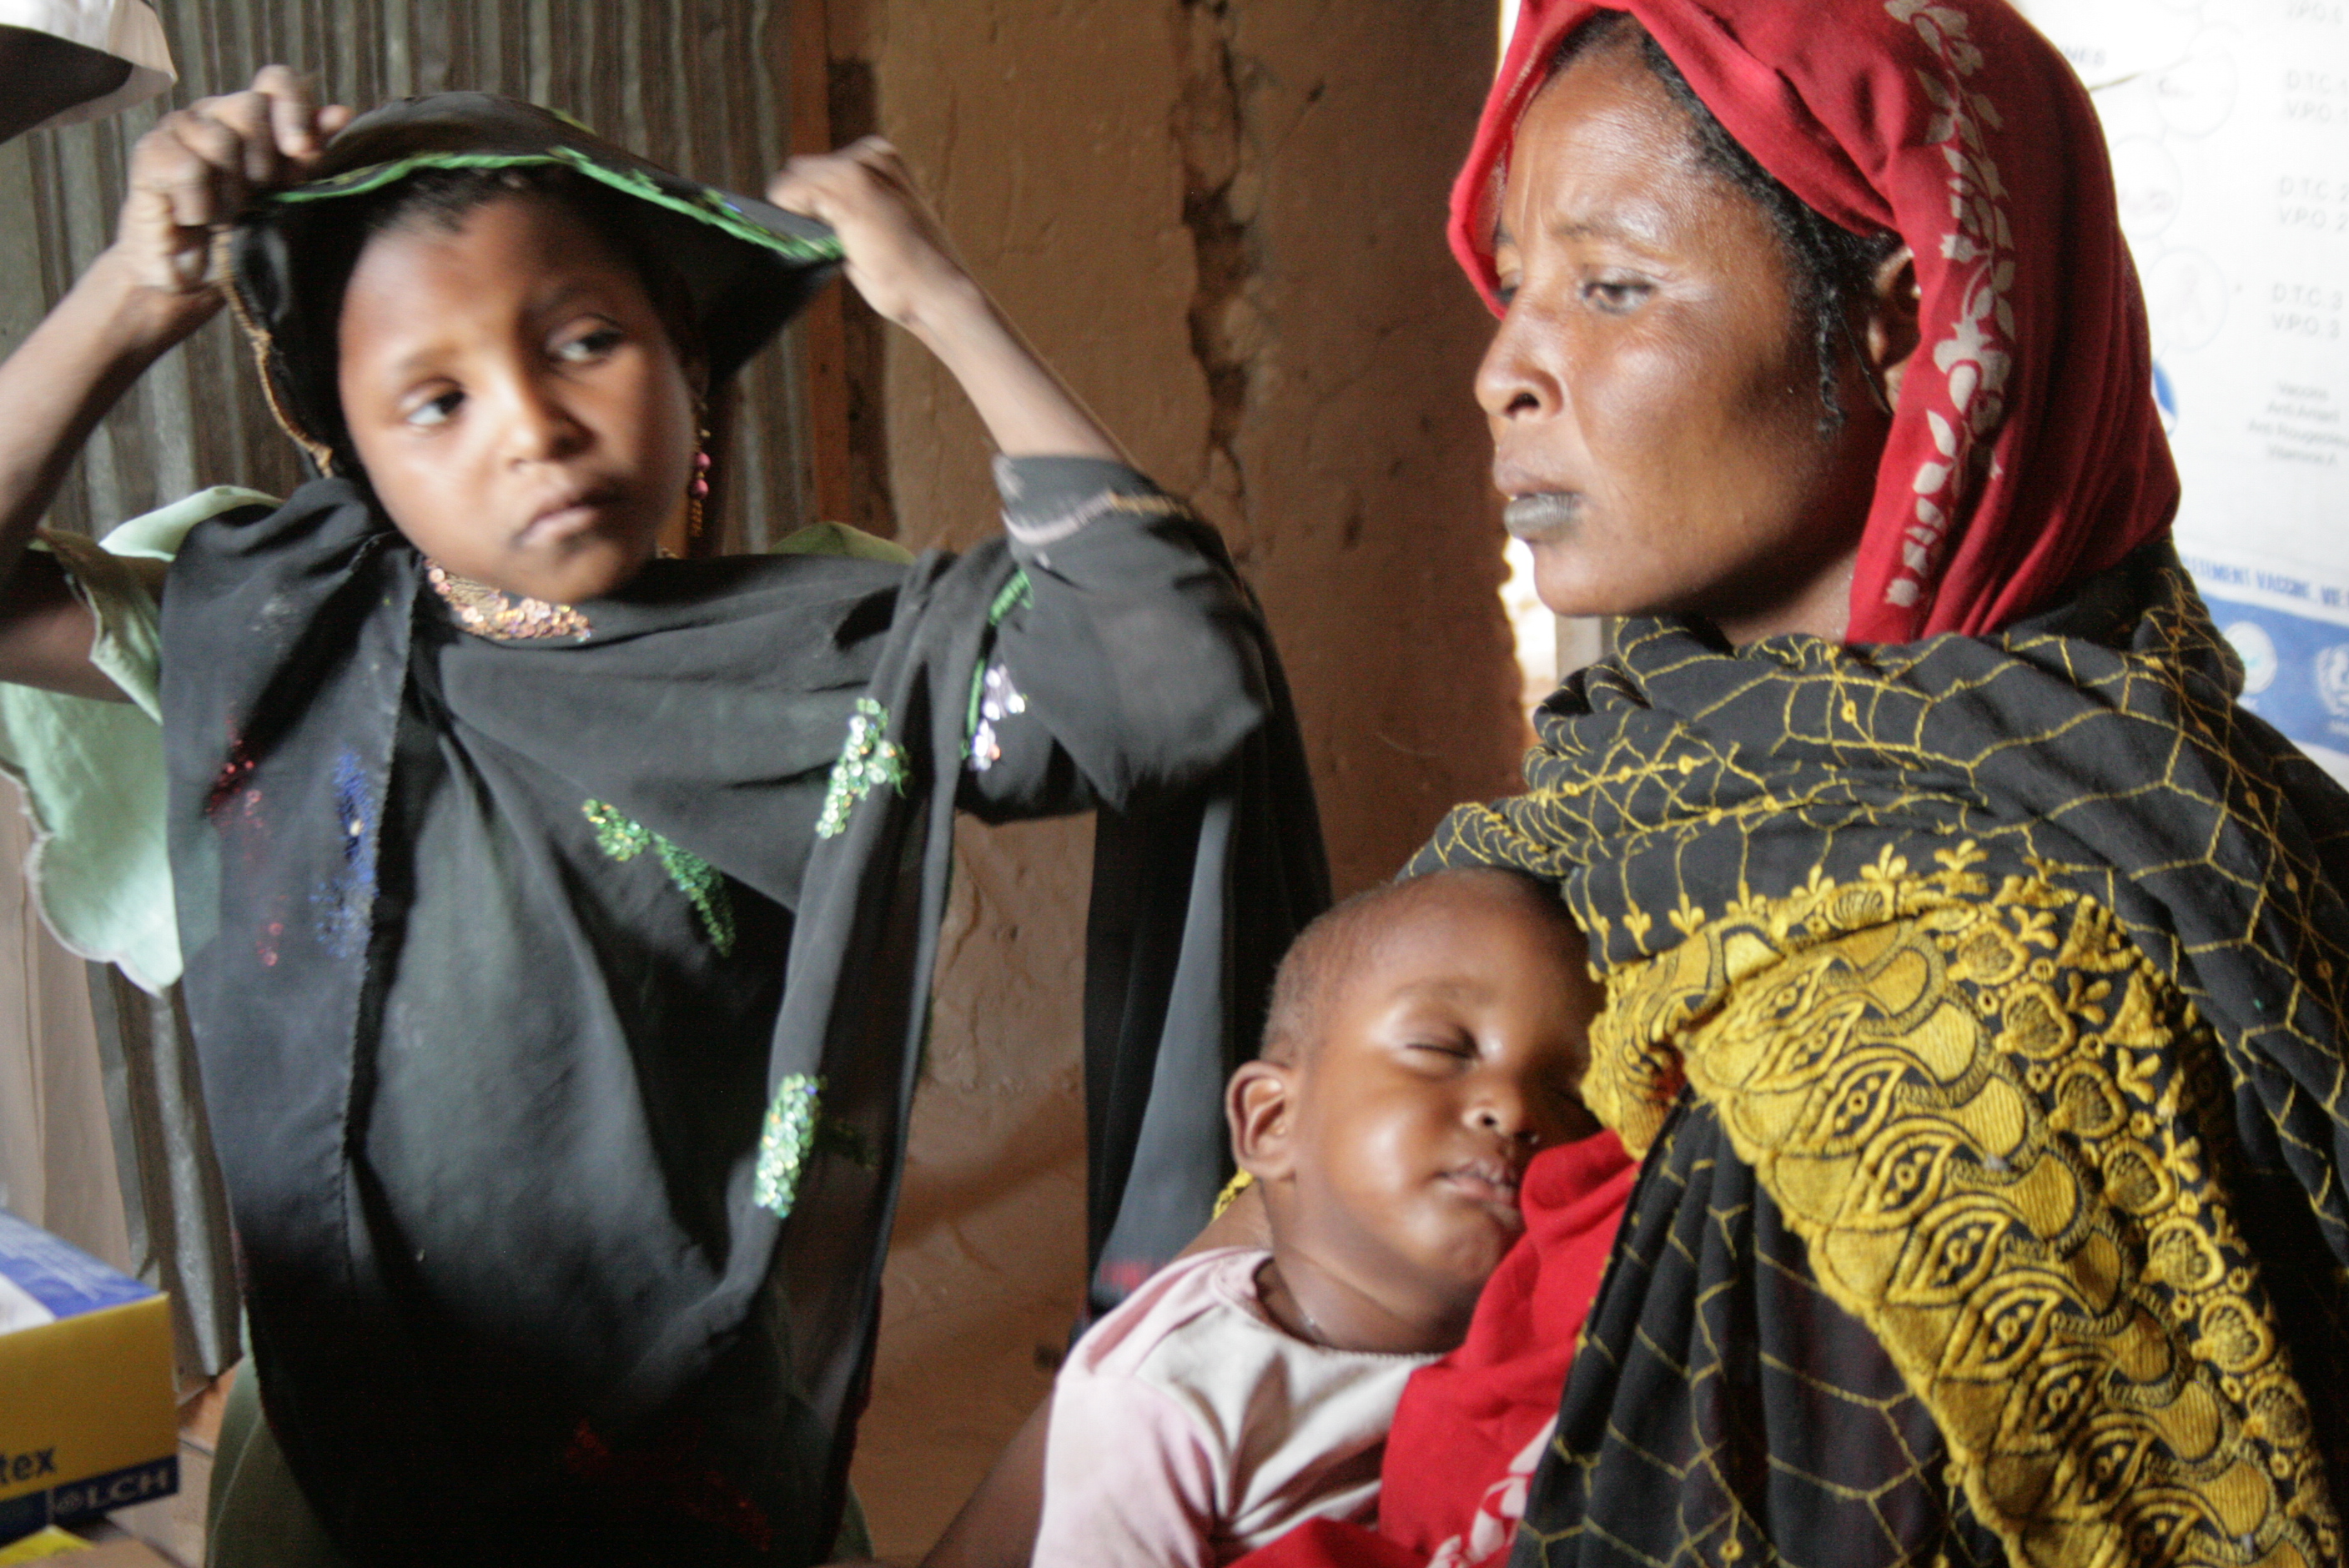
pixel 868 759
pixel 784 1141
pixel 1015 592
pixel 703 885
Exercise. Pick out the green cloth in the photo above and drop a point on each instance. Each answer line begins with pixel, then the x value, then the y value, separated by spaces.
pixel 838 539
pixel 256 1517
pixel 92 771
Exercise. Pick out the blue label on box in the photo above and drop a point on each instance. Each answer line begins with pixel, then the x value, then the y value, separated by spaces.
pixel 77 1500
pixel 62 1278
pixel 121 1489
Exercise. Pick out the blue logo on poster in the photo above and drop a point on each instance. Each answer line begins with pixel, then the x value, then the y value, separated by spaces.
pixel 2258 651
pixel 2295 669
pixel 2332 679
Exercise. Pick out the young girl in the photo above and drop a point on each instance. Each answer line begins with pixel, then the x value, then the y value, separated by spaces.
pixel 557 920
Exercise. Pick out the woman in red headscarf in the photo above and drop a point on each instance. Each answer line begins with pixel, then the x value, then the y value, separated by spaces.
pixel 1976 967
pixel 1978 971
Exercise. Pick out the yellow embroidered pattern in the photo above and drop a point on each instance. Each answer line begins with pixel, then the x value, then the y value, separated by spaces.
pixel 1995 1125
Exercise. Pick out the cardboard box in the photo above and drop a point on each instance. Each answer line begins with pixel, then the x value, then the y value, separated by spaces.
pixel 88 1420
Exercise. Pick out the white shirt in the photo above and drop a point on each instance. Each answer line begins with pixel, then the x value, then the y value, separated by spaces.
pixel 1189 1428
pixel 127 30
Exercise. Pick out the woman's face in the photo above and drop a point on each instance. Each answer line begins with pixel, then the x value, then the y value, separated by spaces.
pixel 1654 388
pixel 520 409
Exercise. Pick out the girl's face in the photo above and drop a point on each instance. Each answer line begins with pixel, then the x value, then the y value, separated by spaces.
pixel 521 412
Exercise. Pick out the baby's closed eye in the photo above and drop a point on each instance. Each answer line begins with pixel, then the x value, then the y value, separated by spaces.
pixel 1440 1058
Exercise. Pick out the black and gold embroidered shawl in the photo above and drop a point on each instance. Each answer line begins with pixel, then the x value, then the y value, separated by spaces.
pixel 536 981
pixel 1980 1005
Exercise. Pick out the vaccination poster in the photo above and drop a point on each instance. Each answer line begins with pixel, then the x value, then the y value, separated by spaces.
pixel 2229 124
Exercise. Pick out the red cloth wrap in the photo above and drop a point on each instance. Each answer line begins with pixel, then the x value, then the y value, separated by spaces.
pixel 1465 1417
pixel 2026 453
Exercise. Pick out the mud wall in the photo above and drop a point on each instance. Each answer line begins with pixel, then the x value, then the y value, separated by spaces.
pixel 1222 220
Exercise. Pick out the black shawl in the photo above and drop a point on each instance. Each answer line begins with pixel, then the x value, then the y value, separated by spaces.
pixel 537 981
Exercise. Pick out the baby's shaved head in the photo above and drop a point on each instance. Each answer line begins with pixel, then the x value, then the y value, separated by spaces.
pixel 1326 953
pixel 1426 1041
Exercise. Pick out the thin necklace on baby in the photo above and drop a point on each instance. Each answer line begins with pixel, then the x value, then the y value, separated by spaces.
pixel 1313 1330
pixel 1320 1335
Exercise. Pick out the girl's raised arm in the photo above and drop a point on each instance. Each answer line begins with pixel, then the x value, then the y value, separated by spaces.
pixel 900 259
pixel 154 285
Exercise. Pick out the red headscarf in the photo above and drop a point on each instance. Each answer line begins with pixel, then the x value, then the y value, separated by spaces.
pixel 2026 452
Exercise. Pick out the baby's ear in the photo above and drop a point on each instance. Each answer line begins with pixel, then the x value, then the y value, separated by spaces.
pixel 1258 1105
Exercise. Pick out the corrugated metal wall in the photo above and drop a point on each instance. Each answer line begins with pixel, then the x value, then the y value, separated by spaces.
pixel 699 84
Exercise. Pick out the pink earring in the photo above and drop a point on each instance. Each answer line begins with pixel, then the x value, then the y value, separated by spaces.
pixel 697 492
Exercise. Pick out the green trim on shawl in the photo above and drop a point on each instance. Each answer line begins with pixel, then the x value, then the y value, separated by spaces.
pixel 712 211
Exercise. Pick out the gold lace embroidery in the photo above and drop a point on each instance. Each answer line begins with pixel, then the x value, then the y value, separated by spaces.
pixel 490 612
pixel 1991 1121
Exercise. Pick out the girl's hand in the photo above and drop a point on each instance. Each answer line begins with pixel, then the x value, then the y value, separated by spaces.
pixel 153 286
pixel 196 171
pixel 898 256
pixel 900 259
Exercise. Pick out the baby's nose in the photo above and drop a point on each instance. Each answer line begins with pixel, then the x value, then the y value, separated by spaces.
pixel 1504 1112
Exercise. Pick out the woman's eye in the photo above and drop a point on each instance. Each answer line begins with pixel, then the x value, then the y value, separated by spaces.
pixel 438 410
pixel 588 348
pixel 1616 296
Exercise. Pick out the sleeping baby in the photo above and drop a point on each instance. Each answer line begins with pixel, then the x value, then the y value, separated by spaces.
pixel 1426 1040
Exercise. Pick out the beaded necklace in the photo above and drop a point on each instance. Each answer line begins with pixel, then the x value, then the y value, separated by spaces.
pixel 492 612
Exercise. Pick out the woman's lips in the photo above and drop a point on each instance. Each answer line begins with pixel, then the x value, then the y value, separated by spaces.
pixel 1541 515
